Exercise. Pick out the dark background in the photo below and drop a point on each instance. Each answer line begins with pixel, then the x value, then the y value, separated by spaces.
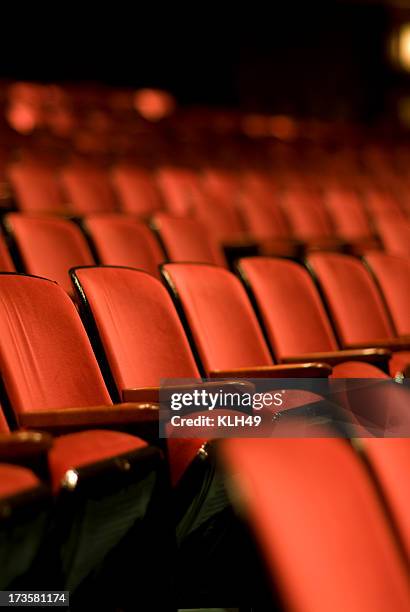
pixel 327 60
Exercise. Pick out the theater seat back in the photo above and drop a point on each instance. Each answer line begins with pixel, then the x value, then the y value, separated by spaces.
pixel 354 301
pixel 137 191
pixel 46 359
pixel 37 188
pixel 122 240
pixel 88 189
pixel 290 306
pixel 141 333
pixel 187 239
pixel 49 246
pixel 393 277
pixel 319 524
pixel 218 312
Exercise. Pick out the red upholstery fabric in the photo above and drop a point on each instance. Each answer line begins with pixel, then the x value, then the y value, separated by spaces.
pixel 187 239
pixel 331 551
pixel 222 184
pixel 264 218
pixel 15 480
pixel 221 319
pixel 390 460
pixel 136 189
pixel 394 234
pixel 140 330
pixel 37 188
pixel 393 276
pixel 354 301
pixel 348 215
pixel 46 359
pixel 87 447
pixel 221 218
pixel 50 246
pixel 6 263
pixel 180 189
pixel 307 215
pixel 88 189
pixel 291 309
pixel 381 203
pixel 124 241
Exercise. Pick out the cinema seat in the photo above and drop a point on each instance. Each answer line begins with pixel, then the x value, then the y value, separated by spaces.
pixel 309 220
pixel 350 219
pixel 24 509
pixel 266 222
pixel 136 189
pixel 213 304
pixel 37 189
pixel 389 462
pixel 48 246
pixel 88 189
pixel 180 188
pixel 392 274
pixel 356 307
pixel 143 343
pixel 295 320
pixel 187 239
pixel 394 235
pixel 52 383
pixel 319 525
pixel 6 263
pixel 121 240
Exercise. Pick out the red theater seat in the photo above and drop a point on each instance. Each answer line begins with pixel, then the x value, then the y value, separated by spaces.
pixel 295 319
pixel 392 274
pixel 187 239
pixel 219 315
pixel 389 461
pixel 121 240
pixel 266 222
pixel 394 235
pixel 49 246
pixel 52 382
pixel 180 188
pixel 88 189
pixel 143 339
pixel 137 190
pixel 318 523
pixel 356 307
pixel 350 219
pixel 309 220
pixel 37 188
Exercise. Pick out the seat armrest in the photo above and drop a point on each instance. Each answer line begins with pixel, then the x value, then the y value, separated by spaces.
pixel 395 344
pixel 377 356
pixel 297 370
pixel 152 394
pixel 120 416
pixel 22 444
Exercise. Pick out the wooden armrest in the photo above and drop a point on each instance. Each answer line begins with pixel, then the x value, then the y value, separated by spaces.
pixel 69 419
pixel 297 370
pixel 395 344
pixel 152 394
pixel 21 444
pixel 377 356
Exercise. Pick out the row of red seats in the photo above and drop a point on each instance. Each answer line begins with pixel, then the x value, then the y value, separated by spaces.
pixel 233 208
pixel 366 308
pixel 41 322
